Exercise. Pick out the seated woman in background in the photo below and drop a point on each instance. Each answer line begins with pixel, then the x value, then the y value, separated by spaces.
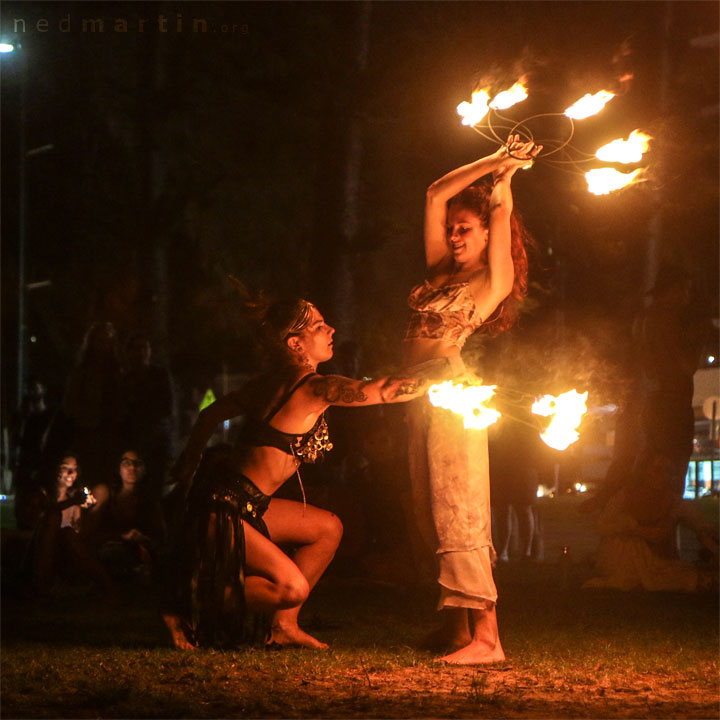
pixel 127 522
pixel 59 543
pixel 234 525
pixel 637 536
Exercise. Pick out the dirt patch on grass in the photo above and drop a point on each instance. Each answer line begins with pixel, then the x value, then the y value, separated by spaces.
pixel 333 690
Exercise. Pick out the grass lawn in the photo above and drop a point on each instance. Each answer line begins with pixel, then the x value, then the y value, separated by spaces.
pixel 571 654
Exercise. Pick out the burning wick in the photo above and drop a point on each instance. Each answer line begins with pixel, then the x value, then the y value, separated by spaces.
pixel 473 112
pixel 625 151
pixel 603 181
pixel 567 411
pixel 507 98
pixel 468 401
pixel 589 105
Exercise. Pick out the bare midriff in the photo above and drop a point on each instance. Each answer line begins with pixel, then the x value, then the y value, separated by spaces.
pixel 418 350
pixel 267 467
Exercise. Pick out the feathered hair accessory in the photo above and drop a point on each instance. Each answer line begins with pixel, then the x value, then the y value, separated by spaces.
pixel 277 319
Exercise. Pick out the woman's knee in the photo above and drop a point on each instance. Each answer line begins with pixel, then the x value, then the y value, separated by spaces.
pixel 293 591
pixel 333 529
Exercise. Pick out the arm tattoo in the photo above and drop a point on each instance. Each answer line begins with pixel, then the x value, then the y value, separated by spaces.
pixel 396 386
pixel 333 389
pixel 410 387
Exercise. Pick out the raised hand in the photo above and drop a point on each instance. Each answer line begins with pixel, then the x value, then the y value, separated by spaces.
pixel 89 499
pixel 515 154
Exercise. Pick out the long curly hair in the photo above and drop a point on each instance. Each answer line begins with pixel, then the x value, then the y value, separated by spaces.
pixel 476 199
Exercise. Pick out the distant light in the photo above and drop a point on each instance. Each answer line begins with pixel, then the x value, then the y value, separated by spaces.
pixel 226 424
pixel 580 487
pixel 33 338
pixel 711 359
pixel 4 497
pixel 6 48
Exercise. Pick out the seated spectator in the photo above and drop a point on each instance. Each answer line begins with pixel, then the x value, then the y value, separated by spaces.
pixel 127 524
pixel 59 544
pixel 637 528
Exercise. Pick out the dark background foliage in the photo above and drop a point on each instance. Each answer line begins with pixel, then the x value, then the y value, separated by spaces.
pixel 294 152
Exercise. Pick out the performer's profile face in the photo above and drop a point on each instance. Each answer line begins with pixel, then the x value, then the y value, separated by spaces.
pixel 316 340
pixel 466 234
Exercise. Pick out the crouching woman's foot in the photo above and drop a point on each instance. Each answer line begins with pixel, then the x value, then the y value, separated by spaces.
pixel 290 635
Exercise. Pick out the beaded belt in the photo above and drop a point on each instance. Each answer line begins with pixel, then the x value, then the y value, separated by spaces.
pixel 242 493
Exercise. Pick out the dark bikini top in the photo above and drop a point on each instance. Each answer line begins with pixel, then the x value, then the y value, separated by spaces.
pixel 308 447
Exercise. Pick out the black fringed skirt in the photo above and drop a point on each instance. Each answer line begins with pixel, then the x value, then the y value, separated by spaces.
pixel 221 502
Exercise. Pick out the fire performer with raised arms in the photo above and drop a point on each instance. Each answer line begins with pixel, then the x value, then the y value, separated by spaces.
pixel 230 561
pixel 476 276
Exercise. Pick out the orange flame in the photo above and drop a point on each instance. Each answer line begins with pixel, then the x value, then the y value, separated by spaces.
pixel 567 411
pixel 473 112
pixel 507 98
pixel 603 181
pixel 468 401
pixel 589 105
pixel 625 151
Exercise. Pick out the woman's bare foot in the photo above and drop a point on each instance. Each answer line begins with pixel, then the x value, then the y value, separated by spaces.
pixel 476 653
pixel 177 632
pixel 293 636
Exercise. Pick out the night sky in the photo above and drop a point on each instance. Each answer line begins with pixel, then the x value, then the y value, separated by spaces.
pixel 291 144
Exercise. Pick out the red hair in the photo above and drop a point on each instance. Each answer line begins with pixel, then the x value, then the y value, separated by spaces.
pixel 476 199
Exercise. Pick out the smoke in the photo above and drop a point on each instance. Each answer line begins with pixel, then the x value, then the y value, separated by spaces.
pixel 552 358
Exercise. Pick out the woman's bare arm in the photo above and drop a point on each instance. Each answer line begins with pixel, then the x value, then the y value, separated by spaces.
pixel 493 286
pixel 322 391
pixel 226 408
pixel 437 250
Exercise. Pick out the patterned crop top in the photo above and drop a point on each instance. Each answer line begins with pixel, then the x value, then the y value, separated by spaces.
pixel 445 313
pixel 307 447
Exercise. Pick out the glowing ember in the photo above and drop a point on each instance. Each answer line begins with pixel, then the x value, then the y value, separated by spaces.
pixel 603 181
pixel 473 112
pixel 589 105
pixel 468 401
pixel 567 411
pixel 507 98
pixel 625 151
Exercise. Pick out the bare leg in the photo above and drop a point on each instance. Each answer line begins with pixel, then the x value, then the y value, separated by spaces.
pixel 454 633
pixel 319 533
pixel 272 581
pixel 485 645
pixel 502 525
pixel 526 529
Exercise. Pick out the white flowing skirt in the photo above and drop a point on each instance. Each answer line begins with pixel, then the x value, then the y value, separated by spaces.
pixel 451 494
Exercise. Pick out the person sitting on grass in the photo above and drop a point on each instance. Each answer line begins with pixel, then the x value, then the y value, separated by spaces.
pixel 234 525
pixel 128 527
pixel 59 543
pixel 637 544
